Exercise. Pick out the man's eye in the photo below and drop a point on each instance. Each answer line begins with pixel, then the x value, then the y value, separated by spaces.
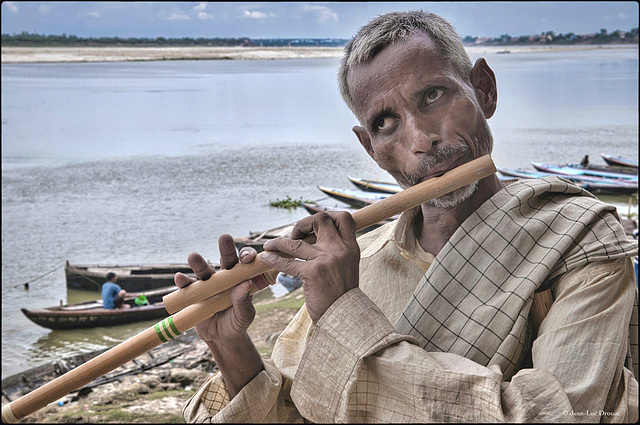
pixel 384 122
pixel 433 95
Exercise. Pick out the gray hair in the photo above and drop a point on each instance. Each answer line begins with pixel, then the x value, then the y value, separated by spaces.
pixel 392 27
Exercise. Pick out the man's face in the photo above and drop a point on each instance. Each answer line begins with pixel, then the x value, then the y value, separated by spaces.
pixel 420 119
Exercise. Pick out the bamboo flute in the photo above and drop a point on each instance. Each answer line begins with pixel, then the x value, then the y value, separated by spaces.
pixel 212 295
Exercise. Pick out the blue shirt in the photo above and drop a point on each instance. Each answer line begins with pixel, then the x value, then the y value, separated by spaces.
pixel 110 291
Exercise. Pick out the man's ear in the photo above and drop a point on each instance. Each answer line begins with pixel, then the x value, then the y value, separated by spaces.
pixel 484 82
pixel 365 141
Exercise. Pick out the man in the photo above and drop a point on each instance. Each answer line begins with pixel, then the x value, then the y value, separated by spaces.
pixel 427 319
pixel 112 294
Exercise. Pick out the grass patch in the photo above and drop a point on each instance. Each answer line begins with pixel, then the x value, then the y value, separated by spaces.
pixel 287 203
pixel 291 303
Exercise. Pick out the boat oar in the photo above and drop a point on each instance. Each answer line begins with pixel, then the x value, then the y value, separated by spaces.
pixel 213 295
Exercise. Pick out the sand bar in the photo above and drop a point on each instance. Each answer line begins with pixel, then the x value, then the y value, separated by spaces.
pixel 123 54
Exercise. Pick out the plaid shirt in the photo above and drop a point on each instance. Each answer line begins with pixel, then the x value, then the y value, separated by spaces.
pixel 460 348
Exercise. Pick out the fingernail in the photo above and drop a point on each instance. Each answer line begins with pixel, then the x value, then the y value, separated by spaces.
pixel 244 254
pixel 266 244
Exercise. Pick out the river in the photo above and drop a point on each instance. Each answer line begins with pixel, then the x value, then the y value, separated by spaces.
pixel 147 161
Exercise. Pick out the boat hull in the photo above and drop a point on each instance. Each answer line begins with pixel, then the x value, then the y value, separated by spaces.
pixel 90 314
pixel 619 161
pixel 132 278
pixel 94 318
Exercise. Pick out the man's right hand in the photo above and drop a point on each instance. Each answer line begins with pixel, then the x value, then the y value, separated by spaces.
pixel 232 323
pixel 226 331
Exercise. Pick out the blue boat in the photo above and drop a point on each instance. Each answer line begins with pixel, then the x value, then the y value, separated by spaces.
pixel 375 185
pixel 620 161
pixel 571 171
pixel 592 184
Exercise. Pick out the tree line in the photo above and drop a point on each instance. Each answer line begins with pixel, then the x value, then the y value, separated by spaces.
pixel 26 39
pixel 550 37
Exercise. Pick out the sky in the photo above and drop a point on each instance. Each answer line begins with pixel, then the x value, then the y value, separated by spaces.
pixel 303 19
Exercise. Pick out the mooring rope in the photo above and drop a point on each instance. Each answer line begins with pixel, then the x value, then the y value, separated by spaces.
pixel 26 284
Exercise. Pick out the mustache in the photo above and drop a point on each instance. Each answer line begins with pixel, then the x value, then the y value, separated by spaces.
pixel 427 163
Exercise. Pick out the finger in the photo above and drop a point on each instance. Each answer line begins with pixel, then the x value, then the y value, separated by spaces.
pixel 285 265
pixel 320 223
pixel 181 280
pixel 247 254
pixel 344 224
pixel 295 248
pixel 303 227
pixel 200 266
pixel 243 308
pixel 228 255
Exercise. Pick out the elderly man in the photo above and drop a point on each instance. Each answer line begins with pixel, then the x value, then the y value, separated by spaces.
pixel 427 318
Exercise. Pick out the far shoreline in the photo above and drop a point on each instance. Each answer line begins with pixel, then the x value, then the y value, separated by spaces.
pixel 19 55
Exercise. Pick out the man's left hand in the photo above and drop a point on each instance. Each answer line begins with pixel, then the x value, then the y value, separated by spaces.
pixel 331 265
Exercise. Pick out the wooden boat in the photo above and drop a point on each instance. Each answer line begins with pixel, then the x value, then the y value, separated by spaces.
pixel 132 278
pixel 375 185
pixel 354 198
pixel 593 184
pixel 620 161
pixel 257 239
pixel 91 314
pixel 571 171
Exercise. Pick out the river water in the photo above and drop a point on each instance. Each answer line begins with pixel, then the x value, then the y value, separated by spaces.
pixel 148 161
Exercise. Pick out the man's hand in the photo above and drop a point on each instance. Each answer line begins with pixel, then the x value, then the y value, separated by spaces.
pixel 331 265
pixel 226 331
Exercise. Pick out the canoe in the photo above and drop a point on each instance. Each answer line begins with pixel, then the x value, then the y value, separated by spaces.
pixel 620 161
pixel 593 184
pixel 357 199
pixel 608 168
pixel 90 314
pixel 375 185
pixel 132 278
pixel 570 171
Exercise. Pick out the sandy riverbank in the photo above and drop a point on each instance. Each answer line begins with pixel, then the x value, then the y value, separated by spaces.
pixel 123 54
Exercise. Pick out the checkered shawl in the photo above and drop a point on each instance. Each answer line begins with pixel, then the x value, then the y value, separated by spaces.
pixel 475 298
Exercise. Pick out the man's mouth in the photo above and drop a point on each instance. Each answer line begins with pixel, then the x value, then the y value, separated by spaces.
pixel 442 167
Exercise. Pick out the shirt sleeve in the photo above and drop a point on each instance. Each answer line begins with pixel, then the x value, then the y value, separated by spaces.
pixel 370 373
pixel 260 401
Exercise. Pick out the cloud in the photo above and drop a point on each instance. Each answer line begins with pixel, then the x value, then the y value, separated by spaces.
pixel 93 14
pixel 201 13
pixel 323 14
pixel 200 7
pixel 11 5
pixel 256 14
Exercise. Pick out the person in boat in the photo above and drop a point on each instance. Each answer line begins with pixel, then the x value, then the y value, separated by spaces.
pixel 585 161
pixel 112 294
pixel 427 318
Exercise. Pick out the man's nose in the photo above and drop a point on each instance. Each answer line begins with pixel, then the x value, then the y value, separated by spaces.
pixel 420 135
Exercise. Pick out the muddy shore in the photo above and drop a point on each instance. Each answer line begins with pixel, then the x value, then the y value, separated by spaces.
pixel 123 54
pixel 153 387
